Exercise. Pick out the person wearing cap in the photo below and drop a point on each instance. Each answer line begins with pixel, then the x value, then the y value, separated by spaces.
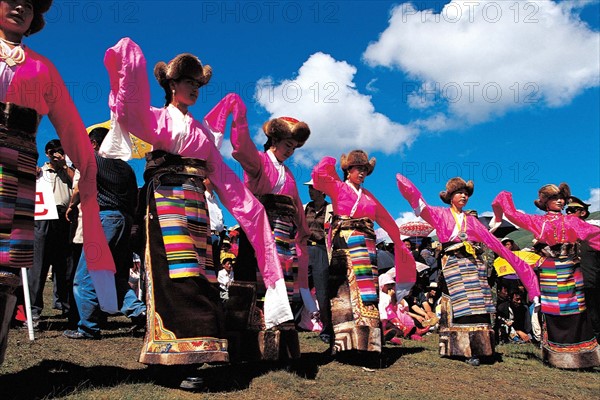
pixel 117 198
pixel 234 236
pixel 353 267
pixel 432 297
pixel 226 275
pixel 318 213
pixel 590 266
pixel 184 297
pixel 569 340
pixel 31 87
pixel 466 306
pixel 397 320
pixel 273 183
pixel 52 240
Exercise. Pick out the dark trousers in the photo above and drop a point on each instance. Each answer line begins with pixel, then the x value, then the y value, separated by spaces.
pixel 590 268
pixel 51 247
pixel 318 270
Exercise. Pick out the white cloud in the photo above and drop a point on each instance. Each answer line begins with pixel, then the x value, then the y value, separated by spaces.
pixel 408 216
pixel 594 200
pixel 324 95
pixel 484 58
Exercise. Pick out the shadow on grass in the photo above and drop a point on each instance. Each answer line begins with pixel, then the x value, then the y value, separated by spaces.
pixel 373 360
pixel 52 379
pixel 112 328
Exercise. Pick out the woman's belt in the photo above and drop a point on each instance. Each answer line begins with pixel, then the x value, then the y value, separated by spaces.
pixel 161 162
pixel 17 125
pixel 278 205
pixel 342 222
pixel 556 250
pixel 458 249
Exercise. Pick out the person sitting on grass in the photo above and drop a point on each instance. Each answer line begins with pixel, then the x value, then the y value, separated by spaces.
pixel 513 320
pixel 396 321
pixel 416 300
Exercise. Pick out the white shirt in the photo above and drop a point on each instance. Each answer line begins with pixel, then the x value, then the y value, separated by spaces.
pixel 180 128
pixel 280 170
pixel 214 212
pixel 224 278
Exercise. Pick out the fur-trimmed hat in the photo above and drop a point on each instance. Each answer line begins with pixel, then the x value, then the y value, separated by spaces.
pixel 355 158
pixel 183 65
pixel 549 191
pixel 454 185
pixel 38 23
pixel 283 128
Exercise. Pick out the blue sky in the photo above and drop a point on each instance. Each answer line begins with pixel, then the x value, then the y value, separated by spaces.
pixel 505 93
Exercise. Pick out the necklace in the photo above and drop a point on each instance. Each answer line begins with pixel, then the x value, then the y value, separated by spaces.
pixel 462 230
pixel 9 42
pixel 562 236
pixel 13 56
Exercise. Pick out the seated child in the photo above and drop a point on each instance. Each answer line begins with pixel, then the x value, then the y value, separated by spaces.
pixel 396 321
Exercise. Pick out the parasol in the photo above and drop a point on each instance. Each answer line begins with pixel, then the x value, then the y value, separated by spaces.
pixel 504 268
pixel 503 230
pixel 139 148
pixel 415 228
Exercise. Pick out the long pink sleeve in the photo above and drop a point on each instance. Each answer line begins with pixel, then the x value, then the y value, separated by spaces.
pixel 477 232
pixel 38 85
pixel 130 101
pixel 433 215
pixel 260 176
pixel 343 198
pixel 245 151
pixel 405 262
pixel 549 228
pixel 442 220
pixel 326 179
pixel 503 204
pixel 129 97
pixel 587 232
pixel 249 213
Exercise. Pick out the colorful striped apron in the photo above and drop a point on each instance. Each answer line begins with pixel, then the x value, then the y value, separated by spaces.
pixel 18 160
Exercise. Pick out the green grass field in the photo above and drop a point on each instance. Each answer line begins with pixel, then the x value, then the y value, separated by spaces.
pixel 53 366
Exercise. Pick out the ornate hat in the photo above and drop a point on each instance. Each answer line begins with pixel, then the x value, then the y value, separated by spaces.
pixel 183 65
pixel 39 8
pixel 356 158
pixel 227 256
pixel 576 202
pixel 546 192
pixel 454 185
pixel 287 128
